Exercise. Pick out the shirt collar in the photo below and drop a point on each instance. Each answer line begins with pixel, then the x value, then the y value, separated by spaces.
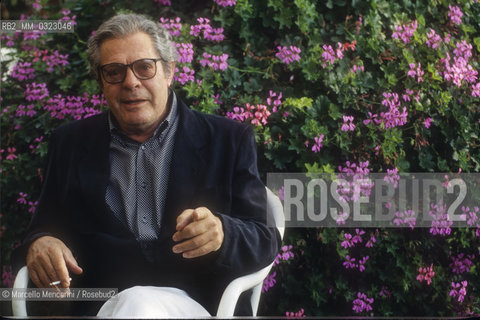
pixel 172 115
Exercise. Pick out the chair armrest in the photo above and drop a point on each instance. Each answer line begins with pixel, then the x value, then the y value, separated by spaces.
pixel 19 305
pixel 254 280
pixel 231 294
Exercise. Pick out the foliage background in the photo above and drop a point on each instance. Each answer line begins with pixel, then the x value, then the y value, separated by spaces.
pixel 437 131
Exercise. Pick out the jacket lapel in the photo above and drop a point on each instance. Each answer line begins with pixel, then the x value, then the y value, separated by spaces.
pixel 187 165
pixel 93 174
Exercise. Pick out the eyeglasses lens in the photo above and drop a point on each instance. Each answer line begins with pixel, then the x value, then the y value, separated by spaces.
pixel 143 69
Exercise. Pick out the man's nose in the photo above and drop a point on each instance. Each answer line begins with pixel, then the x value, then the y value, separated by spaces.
pixel 131 81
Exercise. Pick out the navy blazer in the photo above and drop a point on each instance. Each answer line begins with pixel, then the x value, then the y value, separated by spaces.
pixel 214 165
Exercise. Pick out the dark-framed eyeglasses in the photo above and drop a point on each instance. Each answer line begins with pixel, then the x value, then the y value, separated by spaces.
pixel 143 69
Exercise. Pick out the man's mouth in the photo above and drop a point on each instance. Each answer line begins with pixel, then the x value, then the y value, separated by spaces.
pixel 133 101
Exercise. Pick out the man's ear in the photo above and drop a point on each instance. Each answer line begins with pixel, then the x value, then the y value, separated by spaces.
pixel 172 72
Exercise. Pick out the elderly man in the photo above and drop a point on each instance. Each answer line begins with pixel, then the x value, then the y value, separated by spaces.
pixel 150 197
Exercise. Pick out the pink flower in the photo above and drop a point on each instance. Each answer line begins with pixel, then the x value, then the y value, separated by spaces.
pixel 342 217
pixel 23 71
pixel 463 49
pixel 362 303
pixel 372 239
pixel 355 181
pixel 455 15
pixel 434 40
pixel 405 32
pixel 36 92
pixel 347 243
pixel 461 292
pixel 7 276
pixel 281 193
pixel 358 24
pixel 328 55
pixel 261 115
pixel 285 255
pixel 356 69
pixel 23 198
pixel 393 117
pixel 459 71
pixel 349 263
pixel 11 154
pixel 298 314
pixel 173 26
pixel 163 2
pixel 426 274
pixel 288 54
pixel 209 33
pixel 416 71
pixel 226 3
pixel 213 34
pixel 215 62
pixel 447 38
pixel 258 114
pixel 318 143
pixel 185 52
pixel 36 5
pixel 348 124
pixel 385 292
pixel 277 102
pixel 269 282
pixel 372 119
pixel 217 99
pixel 33 206
pixel 427 122
pixel 405 217
pixel 361 263
pixel 441 223
pixel 66 17
pixel 392 177
pixel 460 265
pixel 185 76
pixel 476 90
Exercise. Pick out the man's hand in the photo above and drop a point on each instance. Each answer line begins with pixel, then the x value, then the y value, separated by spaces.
pixel 199 232
pixel 48 260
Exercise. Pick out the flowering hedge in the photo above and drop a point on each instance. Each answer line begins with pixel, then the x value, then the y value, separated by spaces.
pixel 346 86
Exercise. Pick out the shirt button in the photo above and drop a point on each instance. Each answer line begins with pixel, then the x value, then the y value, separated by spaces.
pixel 144 185
pixel 143 147
pixel 144 219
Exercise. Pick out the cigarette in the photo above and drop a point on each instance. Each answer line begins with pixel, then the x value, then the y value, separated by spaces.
pixel 56 283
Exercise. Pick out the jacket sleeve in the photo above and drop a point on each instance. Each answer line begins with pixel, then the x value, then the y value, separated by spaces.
pixel 249 243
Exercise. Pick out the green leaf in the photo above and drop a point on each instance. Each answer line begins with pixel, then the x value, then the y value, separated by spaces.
pixel 477 43
pixel 334 111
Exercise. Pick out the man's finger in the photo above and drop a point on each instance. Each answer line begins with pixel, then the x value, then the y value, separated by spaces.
pixel 191 230
pixel 71 263
pixel 201 213
pixel 43 277
pixel 184 219
pixel 200 251
pixel 192 243
pixel 61 271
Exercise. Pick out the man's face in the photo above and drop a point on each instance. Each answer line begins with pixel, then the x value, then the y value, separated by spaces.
pixel 138 105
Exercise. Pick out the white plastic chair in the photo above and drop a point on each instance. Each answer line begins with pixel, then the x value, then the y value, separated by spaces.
pixel 231 294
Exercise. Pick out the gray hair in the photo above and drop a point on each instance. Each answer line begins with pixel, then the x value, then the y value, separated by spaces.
pixel 123 25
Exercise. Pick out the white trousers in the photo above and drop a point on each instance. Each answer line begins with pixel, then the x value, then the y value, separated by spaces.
pixel 152 302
